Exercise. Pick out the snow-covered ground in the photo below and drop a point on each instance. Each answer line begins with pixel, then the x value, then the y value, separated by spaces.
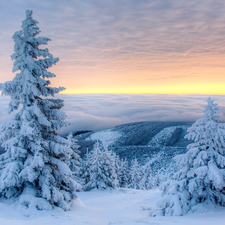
pixel 105 136
pixel 111 207
pixel 161 137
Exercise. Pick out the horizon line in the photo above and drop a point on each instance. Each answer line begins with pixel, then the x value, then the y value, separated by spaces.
pixel 196 89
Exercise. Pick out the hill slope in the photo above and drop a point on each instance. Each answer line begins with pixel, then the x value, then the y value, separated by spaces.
pixel 155 141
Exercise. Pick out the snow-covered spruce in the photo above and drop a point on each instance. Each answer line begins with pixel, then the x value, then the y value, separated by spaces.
pixel 157 181
pixel 123 172
pixel 102 171
pixel 146 182
pixel 34 166
pixel 110 167
pixel 75 161
pixel 85 169
pixel 202 174
pixel 136 175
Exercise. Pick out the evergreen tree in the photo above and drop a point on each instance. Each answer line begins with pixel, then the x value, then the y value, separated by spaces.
pixel 157 181
pixel 75 161
pixel 117 164
pixel 34 166
pixel 136 175
pixel 94 174
pixel 110 167
pixel 85 169
pixel 123 173
pixel 202 174
pixel 101 173
pixel 147 181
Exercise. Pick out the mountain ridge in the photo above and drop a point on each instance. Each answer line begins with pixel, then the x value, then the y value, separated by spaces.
pixel 148 141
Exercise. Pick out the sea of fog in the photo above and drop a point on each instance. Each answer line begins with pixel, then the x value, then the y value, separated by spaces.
pixel 102 111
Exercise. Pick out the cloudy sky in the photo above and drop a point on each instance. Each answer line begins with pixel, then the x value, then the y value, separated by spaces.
pixel 126 46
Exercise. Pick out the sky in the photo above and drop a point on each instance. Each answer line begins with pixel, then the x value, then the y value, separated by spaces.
pixel 126 46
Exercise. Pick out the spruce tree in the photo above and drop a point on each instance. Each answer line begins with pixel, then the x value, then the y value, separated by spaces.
pixel 102 172
pixel 202 174
pixel 34 166
pixel 123 173
pixel 95 177
pixel 110 169
pixel 75 161
pixel 85 170
pixel 157 181
pixel 136 175
pixel 147 181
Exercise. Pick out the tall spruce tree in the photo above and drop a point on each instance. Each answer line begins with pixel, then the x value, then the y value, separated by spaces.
pixel 34 166
pixel 202 174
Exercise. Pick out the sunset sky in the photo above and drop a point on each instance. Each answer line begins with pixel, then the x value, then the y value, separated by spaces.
pixel 126 46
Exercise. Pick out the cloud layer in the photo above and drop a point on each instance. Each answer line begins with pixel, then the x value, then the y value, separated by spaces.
pixel 97 112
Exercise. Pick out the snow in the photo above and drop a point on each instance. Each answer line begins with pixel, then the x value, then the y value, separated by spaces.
pixel 110 207
pixel 105 136
pixel 161 137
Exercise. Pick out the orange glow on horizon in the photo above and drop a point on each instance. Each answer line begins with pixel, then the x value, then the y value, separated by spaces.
pixel 213 89
pixel 140 53
pixel 173 76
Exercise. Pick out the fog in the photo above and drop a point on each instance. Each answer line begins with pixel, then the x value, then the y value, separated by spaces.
pixel 102 111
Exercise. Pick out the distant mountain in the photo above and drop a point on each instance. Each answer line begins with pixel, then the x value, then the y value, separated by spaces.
pixel 157 142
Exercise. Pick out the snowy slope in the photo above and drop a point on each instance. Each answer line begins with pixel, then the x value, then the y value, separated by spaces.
pixel 106 136
pixel 164 137
pixel 155 141
pixel 111 207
